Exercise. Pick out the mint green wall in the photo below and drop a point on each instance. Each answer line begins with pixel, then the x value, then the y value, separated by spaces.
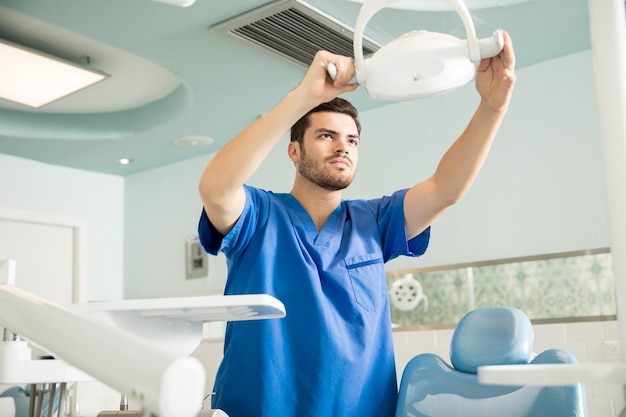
pixel 162 211
pixel 541 190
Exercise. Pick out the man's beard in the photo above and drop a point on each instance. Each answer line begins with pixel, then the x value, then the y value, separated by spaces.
pixel 310 170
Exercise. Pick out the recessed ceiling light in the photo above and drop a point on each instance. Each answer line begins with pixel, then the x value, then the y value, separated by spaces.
pixel 180 3
pixel 34 79
pixel 194 141
pixel 124 160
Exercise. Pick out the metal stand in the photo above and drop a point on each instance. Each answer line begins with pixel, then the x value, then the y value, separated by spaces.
pixel 36 399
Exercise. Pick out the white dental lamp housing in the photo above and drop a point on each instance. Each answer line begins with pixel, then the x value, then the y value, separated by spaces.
pixel 419 64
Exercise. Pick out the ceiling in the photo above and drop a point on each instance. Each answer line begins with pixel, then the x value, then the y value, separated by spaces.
pixel 172 77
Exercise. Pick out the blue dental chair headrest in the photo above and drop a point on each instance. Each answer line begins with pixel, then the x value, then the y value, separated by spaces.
pixel 491 336
pixel 432 387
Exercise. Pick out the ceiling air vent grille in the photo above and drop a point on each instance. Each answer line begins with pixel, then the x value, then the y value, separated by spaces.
pixel 293 30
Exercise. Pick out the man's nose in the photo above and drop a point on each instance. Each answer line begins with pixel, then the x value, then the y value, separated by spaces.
pixel 341 147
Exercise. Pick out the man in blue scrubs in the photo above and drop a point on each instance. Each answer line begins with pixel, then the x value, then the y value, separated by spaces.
pixel 323 257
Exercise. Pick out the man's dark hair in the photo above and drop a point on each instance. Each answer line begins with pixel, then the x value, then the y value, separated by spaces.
pixel 336 105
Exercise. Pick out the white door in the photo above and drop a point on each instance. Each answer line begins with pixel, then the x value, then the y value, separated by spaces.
pixel 50 253
pixel 44 255
pixel 47 250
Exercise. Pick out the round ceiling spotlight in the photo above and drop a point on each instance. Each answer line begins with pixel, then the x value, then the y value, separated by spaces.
pixel 124 160
pixel 194 141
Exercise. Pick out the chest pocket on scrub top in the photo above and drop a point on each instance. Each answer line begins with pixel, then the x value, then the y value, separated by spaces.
pixel 367 274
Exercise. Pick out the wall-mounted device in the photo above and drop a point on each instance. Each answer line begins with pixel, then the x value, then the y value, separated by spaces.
pixel 196 259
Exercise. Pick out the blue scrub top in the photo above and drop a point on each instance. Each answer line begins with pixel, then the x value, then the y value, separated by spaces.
pixel 332 355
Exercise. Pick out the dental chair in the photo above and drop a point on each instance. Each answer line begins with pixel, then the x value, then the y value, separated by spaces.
pixel 430 387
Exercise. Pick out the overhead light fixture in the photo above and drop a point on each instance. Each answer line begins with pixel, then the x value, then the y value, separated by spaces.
pixel 124 160
pixel 179 3
pixel 34 79
pixel 194 141
pixel 419 64
pixel 439 6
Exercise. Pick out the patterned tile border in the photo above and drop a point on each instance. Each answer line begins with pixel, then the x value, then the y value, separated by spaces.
pixel 547 287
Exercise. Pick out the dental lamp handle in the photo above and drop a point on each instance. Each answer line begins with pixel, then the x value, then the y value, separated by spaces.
pixel 490 47
pixel 332 72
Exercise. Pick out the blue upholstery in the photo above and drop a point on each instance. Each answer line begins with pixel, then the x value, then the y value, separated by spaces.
pixel 491 336
pixel 21 398
pixel 430 387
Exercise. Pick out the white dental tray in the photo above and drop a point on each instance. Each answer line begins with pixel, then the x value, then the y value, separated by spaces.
pixel 176 324
pixel 193 309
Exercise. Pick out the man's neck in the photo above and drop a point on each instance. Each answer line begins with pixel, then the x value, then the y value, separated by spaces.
pixel 317 201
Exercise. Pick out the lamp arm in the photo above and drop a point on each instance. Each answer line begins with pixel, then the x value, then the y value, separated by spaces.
pixel 369 9
pixel 472 40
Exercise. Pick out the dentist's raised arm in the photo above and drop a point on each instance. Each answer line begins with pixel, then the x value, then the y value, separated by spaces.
pixel 495 79
pixel 221 184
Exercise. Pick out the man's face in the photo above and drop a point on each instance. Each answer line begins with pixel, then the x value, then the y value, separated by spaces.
pixel 329 154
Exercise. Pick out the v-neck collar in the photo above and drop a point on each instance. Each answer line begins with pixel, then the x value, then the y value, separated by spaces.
pixel 301 218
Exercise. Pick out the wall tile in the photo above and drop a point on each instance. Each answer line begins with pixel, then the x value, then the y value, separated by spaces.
pixel 578 349
pixel 595 351
pixel 421 339
pixel 443 338
pixel 611 331
pixel 400 339
pixel 550 333
pixel 600 408
pixel 584 331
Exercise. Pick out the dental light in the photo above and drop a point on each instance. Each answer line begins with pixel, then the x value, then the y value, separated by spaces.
pixel 439 6
pixel 419 64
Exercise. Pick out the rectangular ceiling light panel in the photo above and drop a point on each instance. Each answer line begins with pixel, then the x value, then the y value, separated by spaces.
pixel 293 30
pixel 35 79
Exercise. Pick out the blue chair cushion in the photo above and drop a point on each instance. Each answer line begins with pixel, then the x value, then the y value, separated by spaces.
pixel 432 388
pixel 491 336
pixel 20 397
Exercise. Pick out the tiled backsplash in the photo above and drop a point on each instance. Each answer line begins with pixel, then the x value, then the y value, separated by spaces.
pixel 554 286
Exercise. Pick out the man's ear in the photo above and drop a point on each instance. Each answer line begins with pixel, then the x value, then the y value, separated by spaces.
pixel 293 150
